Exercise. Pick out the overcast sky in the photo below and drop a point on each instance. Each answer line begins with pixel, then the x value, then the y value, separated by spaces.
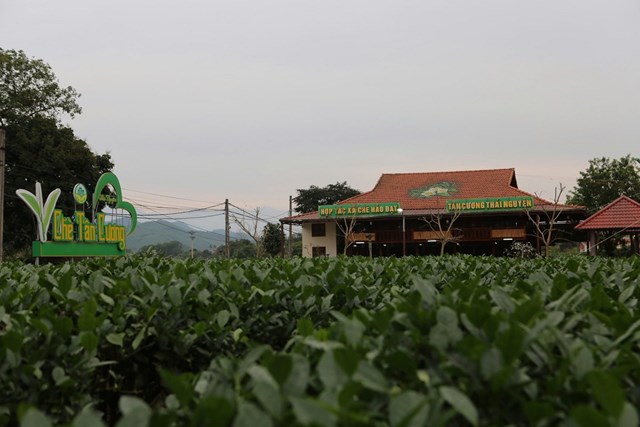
pixel 250 100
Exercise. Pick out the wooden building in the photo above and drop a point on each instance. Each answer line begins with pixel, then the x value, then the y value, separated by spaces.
pixel 478 212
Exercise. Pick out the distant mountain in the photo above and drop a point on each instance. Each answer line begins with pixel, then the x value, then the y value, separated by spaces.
pixel 161 231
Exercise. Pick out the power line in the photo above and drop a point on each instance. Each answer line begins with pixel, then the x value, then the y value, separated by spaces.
pixel 164 224
pixel 170 197
pixel 175 218
pixel 171 205
pixel 249 215
pixel 192 226
pixel 618 233
pixel 207 208
pixel 279 215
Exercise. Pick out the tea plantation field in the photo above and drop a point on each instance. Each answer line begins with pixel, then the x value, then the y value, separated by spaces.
pixel 447 341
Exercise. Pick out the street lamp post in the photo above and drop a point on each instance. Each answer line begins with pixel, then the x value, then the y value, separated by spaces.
pixel 404 234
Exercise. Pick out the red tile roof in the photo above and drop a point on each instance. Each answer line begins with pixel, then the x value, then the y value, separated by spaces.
pixel 419 193
pixel 622 213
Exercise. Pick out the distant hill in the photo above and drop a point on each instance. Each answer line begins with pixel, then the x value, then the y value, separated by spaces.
pixel 161 231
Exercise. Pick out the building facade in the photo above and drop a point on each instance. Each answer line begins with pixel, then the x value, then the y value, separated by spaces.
pixel 479 212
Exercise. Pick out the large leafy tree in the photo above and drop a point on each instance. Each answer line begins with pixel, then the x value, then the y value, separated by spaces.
pixel 605 180
pixel 40 150
pixel 29 88
pixel 309 199
pixel 38 146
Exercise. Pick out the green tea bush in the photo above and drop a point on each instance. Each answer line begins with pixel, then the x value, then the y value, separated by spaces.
pixel 440 341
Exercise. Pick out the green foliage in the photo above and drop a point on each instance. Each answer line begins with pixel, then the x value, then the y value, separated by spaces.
pixel 145 340
pixel 521 250
pixel 272 239
pixel 40 150
pixel 240 249
pixel 29 88
pixel 172 248
pixel 605 180
pixel 296 244
pixel 38 147
pixel 309 199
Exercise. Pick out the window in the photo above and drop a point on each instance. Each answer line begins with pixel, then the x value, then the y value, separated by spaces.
pixel 318 230
pixel 318 251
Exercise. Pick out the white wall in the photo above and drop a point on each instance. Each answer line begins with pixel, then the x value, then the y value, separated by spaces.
pixel 328 240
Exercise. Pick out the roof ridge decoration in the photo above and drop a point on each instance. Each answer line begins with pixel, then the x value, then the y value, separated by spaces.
pixel 449 172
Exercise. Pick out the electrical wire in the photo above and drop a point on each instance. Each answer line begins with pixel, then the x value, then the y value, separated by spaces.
pixel 621 231
pixel 169 197
pixel 176 218
pixel 194 226
pixel 249 215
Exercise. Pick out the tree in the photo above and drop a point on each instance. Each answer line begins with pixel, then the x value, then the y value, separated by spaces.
pixel 242 248
pixel 272 239
pixel 546 229
pixel 41 150
pixel 296 245
pixel 604 181
pixel 309 199
pixel 38 147
pixel 347 225
pixel 251 227
pixel 441 225
pixel 172 248
pixel 29 88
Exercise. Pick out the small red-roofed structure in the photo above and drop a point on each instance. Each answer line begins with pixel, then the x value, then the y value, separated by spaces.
pixel 621 216
pixel 413 213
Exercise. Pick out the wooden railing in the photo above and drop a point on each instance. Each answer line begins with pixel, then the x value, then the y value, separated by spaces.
pixel 390 236
pixel 466 235
pixel 476 234
pixel 510 233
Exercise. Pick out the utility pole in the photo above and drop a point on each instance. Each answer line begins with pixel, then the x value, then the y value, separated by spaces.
pixel 290 251
pixel 227 227
pixel 2 162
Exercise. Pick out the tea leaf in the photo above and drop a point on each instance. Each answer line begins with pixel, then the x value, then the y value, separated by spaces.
pixel 461 403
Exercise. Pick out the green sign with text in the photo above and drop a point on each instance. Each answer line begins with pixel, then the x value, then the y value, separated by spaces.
pixel 77 236
pixel 489 204
pixel 358 209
